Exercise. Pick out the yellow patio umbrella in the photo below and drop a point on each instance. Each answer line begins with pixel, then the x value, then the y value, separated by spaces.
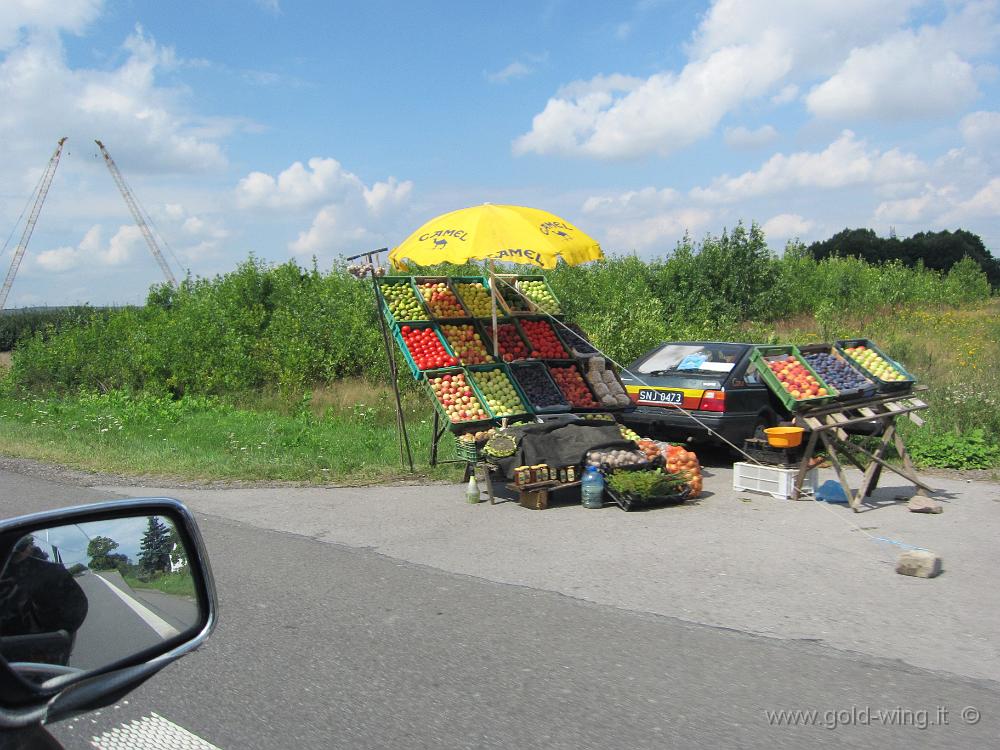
pixel 508 234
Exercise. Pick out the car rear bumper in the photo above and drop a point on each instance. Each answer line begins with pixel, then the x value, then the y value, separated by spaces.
pixel 734 427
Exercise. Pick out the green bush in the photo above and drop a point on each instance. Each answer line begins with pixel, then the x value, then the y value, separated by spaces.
pixel 16 325
pixel 259 327
pixel 953 450
pixel 283 328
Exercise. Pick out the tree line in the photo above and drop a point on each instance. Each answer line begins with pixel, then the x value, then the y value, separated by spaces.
pixel 936 250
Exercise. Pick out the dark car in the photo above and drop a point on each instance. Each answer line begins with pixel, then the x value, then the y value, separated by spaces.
pixel 714 382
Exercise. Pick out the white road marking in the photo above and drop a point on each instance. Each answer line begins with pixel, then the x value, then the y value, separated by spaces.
pixel 162 628
pixel 151 732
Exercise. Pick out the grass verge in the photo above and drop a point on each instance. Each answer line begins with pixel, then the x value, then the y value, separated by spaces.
pixel 175 584
pixel 205 439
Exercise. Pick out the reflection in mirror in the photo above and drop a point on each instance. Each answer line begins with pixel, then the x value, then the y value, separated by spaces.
pixel 83 596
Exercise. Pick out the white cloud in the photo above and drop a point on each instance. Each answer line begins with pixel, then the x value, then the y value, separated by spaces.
pixel 868 59
pixel 516 69
pixel 334 229
pixel 91 251
pixel 654 232
pixel 630 203
pixel 143 123
pixel 786 94
pixel 44 15
pixel 985 204
pixel 742 137
pixel 348 209
pixel 818 33
pixel 523 66
pixel 661 114
pixel 913 73
pixel 786 226
pixel 981 130
pixel 298 186
pixel 906 210
pixel 602 84
pixel 383 196
pixel 846 161
pixel 901 77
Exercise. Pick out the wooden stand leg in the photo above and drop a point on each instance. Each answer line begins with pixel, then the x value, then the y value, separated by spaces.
pixel 874 468
pixel 853 500
pixel 907 463
pixel 804 465
pixel 436 433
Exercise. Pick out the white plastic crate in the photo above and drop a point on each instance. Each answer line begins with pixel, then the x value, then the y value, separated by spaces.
pixel 771 480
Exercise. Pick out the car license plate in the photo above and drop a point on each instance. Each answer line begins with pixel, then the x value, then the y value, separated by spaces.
pixel 671 398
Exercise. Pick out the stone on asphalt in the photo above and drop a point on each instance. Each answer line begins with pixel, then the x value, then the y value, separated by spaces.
pixel 919 563
pixel 920 504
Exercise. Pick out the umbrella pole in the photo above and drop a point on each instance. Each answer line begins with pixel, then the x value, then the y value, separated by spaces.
pixel 390 353
pixel 493 300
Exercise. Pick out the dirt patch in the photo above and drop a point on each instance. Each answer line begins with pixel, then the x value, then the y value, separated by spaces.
pixel 77 478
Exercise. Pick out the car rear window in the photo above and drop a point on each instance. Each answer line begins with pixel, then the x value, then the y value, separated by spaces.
pixel 682 359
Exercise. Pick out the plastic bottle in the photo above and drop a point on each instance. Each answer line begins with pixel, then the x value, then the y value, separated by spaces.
pixel 472 491
pixel 592 488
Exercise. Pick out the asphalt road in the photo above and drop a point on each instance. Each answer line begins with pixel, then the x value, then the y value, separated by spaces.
pixel 325 645
pixel 112 630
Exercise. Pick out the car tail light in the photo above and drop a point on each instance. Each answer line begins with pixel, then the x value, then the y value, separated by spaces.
pixel 712 401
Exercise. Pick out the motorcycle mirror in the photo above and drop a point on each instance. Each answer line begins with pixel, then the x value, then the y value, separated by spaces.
pixel 95 599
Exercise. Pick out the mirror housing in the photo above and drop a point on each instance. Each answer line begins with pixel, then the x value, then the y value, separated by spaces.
pixel 32 694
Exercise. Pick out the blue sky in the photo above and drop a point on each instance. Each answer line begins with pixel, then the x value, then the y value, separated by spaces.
pixel 301 129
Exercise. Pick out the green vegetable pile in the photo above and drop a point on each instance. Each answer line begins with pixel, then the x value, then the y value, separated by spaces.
pixel 644 484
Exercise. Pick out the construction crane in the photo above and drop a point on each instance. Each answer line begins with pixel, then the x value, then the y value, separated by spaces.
pixel 133 206
pixel 29 227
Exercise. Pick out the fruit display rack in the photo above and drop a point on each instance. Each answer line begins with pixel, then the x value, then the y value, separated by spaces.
pixel 540 297
pixel 903 383
pixel 576 341
pixel 435 321
pixel 543 395
pixel 400 301
pixel 497 377
pixel 400 332
pixel 510 297
pixel 474 293
pixel 439 297
pixel 569 378
pixel 541 337
pixel 478 400
pixel 762 356
pixel 848 378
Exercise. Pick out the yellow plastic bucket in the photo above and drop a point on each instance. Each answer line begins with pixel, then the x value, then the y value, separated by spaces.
pixel 784 437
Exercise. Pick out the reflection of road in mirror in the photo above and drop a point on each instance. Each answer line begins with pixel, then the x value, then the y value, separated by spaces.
pixel 123 621
pixel 95 592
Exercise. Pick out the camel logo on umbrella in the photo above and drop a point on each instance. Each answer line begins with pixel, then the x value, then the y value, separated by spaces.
pixel 557 228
